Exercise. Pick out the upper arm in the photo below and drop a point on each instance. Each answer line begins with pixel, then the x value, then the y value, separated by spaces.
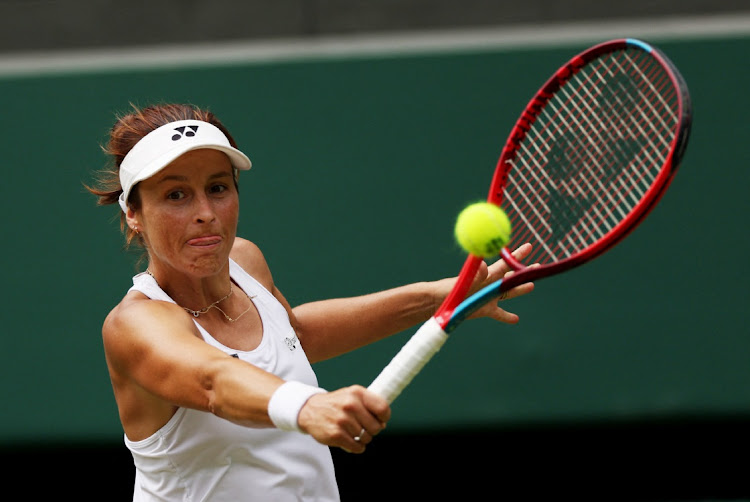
pixel 155 346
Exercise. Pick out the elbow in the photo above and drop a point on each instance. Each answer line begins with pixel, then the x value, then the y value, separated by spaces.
pixel 228 392
pixel 209 387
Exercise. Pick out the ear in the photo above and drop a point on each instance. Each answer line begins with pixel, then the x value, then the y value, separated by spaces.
pixel 131 219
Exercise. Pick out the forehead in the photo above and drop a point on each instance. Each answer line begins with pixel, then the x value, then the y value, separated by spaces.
pixel 200 165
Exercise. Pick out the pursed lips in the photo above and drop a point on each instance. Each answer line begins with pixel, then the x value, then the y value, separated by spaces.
pixel 207 240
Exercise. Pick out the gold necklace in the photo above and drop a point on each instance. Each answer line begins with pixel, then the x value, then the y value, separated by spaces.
pixel 245 312
pixel 215 304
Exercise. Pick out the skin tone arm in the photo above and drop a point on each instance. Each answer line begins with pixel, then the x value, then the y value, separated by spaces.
pixel 158 361
pixel 329 328
pixel 333 327
pixel 156 354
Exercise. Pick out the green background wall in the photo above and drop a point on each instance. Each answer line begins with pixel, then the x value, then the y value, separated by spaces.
pixel 360 166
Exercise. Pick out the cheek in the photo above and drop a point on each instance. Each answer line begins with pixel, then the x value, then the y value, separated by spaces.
pixel 164 227
pixel 230 210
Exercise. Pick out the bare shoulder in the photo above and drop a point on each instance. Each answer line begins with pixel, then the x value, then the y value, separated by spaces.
pixel 129 327
pixel 249 256
pixel 244 250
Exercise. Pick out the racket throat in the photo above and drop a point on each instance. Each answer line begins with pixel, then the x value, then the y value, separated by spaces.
pixel 459 291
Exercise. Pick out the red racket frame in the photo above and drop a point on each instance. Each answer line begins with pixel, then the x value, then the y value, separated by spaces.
pixel 505 165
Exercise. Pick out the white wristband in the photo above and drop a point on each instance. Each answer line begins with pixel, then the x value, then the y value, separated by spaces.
pixel 286 403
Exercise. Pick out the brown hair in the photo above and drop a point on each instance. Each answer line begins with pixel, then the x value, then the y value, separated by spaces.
pixel 125 133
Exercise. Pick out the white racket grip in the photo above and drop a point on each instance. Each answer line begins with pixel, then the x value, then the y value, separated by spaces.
pixel 410 360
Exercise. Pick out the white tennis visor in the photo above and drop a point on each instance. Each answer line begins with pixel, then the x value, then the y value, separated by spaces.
pixel 161 146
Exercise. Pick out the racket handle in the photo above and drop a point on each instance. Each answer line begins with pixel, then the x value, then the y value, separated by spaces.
pixel 410 360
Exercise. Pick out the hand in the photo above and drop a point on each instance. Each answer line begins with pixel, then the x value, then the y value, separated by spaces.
pixel 489 274
pixel 348 418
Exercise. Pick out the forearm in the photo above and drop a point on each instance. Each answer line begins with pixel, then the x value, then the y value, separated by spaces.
pixel 331 327
pixel 247 395
pixel 239 392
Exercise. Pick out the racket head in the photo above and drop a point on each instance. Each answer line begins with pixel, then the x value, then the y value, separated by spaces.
pixel 591 155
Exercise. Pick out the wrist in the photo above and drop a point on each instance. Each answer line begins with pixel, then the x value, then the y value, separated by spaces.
pixel 286 403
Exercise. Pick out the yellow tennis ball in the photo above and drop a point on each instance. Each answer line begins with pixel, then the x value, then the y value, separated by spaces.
pixel 482 229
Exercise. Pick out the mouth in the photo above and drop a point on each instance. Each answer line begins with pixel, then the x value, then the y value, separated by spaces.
pixel 207 240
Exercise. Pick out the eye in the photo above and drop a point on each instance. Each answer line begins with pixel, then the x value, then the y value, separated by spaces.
pixel 176 195
pixel 218 188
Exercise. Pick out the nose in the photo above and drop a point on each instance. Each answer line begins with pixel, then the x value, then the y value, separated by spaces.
pixel 204 211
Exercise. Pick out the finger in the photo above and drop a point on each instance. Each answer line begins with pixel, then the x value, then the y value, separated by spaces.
pixel 359 436
pixel 363 437
pixel 370 428
pixel 521 252
pixel 511 272
pixel 357 442
pixel 367 419
pixel 482 273
pixel 520 290
pixel 504 316
pixel 379 412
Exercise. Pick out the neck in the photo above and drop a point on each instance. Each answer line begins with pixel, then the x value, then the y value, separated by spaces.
pixel 195 295
pixel 216 304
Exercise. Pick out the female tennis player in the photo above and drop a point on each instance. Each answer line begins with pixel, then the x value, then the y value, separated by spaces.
pixel 210 365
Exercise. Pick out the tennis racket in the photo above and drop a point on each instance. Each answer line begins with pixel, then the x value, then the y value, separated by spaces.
pixel 590 156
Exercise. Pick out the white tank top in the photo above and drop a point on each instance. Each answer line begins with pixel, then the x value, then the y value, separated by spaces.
pixel 197 456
